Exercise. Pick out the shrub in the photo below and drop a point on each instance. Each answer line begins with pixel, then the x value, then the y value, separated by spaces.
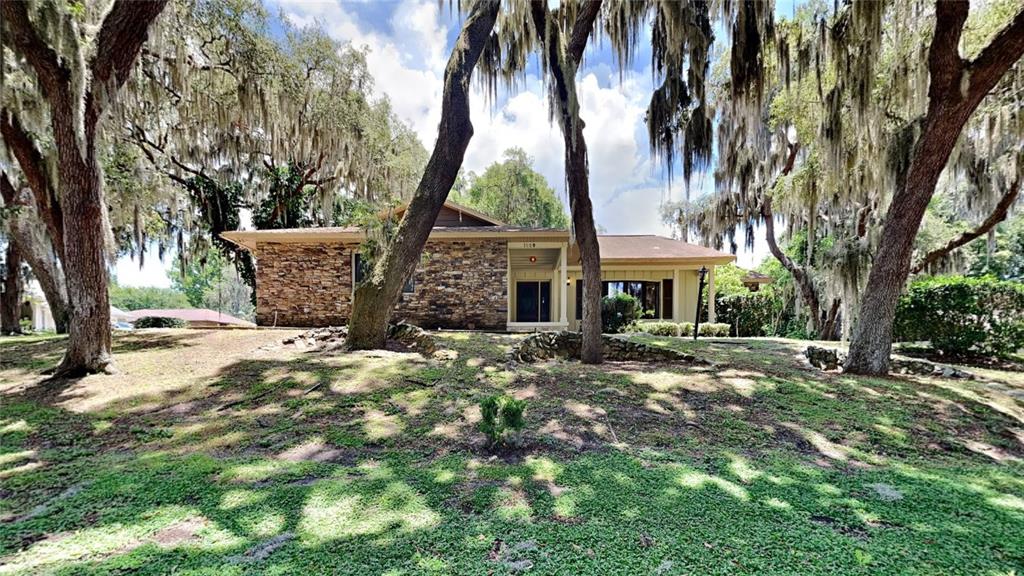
pixel 963 316
pixel 750 314
pixel 619 313
pixel 686 329
pixel 158 322
pixel 502 418
pixel 660 328
pixel 714 330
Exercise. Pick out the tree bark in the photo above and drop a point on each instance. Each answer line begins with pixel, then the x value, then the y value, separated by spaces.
pixel 20 145
pixel 80 192
pixel 28 231
pixel 956 89
pixel 375 298
pixel 13 290
pixel 999 213
pixel 577 171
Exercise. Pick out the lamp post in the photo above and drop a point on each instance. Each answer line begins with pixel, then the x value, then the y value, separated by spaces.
pixel 700 296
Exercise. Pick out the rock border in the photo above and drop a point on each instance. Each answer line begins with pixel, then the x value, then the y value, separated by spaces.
pixel 541 346
pixel 830 359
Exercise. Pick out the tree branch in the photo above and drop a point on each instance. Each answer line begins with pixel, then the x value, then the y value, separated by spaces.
pixel 1005 49
pixel 31 162
pixel 582 28
pixel 999 213
pixel 944 62
pixel 118 43
pixel 21 35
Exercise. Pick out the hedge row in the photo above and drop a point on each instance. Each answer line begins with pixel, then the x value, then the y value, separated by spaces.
pixel 683 329
pixel 963 316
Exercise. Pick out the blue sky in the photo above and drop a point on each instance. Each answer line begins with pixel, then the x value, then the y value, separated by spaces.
pixel 409 42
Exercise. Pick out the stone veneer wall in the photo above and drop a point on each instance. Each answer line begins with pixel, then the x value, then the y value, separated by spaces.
pixel 458 284
pixel 303 284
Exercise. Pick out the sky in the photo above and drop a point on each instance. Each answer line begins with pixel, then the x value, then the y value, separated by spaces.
pixel 408 44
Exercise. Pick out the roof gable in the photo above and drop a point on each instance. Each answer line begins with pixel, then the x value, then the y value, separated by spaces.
pixel 454 215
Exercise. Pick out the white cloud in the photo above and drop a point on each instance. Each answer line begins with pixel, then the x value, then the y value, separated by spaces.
pixel 407 57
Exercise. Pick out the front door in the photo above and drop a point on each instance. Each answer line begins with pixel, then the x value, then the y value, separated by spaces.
pixel 533 301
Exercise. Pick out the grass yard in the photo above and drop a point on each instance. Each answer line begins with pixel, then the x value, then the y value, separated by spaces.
pixel 226 452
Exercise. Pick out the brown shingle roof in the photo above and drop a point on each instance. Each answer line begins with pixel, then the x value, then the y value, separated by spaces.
pixel 651 247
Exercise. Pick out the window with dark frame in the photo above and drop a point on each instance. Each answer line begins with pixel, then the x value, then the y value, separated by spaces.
pixel 647 293
pixel 651 295
pixel 667 294
pixel 358 268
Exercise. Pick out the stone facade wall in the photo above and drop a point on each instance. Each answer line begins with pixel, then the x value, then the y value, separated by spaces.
pixel 458 284
pixel 303 284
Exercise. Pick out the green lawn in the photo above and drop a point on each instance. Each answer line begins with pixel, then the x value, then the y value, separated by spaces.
pixel 226 452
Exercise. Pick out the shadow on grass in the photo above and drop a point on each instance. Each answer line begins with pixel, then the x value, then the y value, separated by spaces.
pixel 370 463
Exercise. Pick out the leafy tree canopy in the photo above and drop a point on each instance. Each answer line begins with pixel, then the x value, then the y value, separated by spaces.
pixel 513 192
pixel 140 298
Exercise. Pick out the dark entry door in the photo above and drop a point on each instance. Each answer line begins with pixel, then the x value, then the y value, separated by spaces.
pixel 533 301
pixel 527 301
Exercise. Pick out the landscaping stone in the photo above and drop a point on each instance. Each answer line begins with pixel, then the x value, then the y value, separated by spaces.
pixel 333 337
pixel 832 359
pixel 264 549
pixel 887 492
pixel 824 358
pixel 564 344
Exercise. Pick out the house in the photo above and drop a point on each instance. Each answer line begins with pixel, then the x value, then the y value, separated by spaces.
pixel 42 318
pixel 475 273
pixel 753 280
pixel 195 317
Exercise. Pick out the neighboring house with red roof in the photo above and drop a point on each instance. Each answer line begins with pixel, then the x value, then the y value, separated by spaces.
pixel 476 273
pixel 195 317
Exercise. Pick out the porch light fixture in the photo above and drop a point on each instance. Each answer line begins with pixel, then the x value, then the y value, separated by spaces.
pixel 533 259
pixel 700 296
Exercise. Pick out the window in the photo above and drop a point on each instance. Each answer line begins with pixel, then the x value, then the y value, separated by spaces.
pixel 359 268
pixel 648 293
pixel 667 294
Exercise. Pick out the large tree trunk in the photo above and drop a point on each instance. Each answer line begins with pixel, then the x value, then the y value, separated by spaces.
pixel 81 195
pixel 956 89
pixel 563 60
pixel 74 119
pixel 37 249
pixel 577 180
pixel 375 298
pixel 13 290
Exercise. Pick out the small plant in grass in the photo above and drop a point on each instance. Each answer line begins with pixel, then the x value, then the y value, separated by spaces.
pixel 502 419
